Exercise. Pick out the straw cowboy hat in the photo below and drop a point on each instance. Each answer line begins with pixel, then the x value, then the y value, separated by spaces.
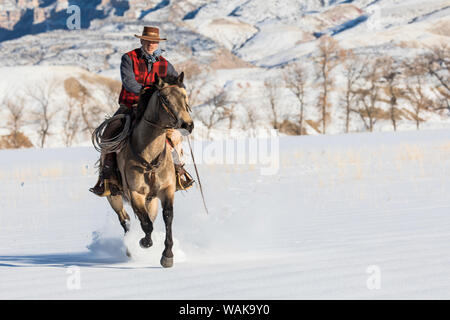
pixel 150 34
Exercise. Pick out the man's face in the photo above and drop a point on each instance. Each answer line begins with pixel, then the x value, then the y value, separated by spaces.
pixel 149 46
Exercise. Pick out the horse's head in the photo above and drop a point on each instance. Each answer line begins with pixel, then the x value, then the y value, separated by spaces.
pixel 173 100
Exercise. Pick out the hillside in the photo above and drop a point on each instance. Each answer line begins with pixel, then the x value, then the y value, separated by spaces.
pixel 236 45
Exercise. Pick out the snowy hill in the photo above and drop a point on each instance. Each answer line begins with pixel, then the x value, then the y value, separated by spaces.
pixel 29 86
pixel 344 216
pixel 236 44
pixel 251 29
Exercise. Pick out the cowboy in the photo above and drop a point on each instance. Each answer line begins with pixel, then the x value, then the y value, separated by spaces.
pixel 138 68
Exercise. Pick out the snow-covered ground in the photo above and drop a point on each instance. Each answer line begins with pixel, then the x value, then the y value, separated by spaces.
pixel 344 216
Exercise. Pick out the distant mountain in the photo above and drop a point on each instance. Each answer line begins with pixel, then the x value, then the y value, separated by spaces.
pixel 269 33
pixel 240 42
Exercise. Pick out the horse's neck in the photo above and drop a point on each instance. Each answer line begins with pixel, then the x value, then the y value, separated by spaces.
pixel 148 140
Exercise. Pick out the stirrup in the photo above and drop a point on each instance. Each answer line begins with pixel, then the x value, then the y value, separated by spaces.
pixel 186 183
pixel 102 189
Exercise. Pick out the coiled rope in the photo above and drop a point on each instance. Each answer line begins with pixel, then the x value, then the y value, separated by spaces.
pixel 113 144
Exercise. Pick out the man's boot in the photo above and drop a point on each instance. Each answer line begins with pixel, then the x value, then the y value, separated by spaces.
pixel 184 179
pixel 102 187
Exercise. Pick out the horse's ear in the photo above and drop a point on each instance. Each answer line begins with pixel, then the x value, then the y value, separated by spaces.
pixel 158 81
pixel 180 77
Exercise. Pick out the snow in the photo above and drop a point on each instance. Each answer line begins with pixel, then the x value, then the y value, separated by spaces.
pixel 338 208
pixel 272 39
pixel 229 31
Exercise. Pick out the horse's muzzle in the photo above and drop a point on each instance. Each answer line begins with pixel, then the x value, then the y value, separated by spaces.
pixel 189 126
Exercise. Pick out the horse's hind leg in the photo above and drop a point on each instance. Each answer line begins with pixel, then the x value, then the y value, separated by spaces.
pixel 116 203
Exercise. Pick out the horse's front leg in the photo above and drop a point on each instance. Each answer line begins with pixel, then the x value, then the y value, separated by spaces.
pixel 167 255
pixel 116 203
pixel 138 205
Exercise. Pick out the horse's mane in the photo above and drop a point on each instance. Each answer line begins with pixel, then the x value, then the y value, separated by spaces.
pixel 144 98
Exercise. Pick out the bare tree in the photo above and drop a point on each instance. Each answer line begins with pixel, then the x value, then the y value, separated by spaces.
pixel 369 96
pixel 441 102
pixel 414 93
pixel 194 88
pixel 418 99
pixel 43 115
pixel 353 68
pixel 91 112
pixel 295 78
pixel 326 60
pixel 229 113
pixel 437 64
pixel 90 115
pixel 195 80
pixel 270 87
pixel 71 124
pixel 112 89
pixel 15 119
pixel 252 119
pixel 389 73
pixel 212 112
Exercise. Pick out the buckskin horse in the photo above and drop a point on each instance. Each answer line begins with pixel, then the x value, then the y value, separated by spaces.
pixel 146 166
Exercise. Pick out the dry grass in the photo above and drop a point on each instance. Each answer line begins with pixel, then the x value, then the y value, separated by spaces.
pixel 75 89
pixel 224 59
pixel 314 124
pixel 410 44
pixel 409 115
pixel 291 128
pixel 13 142
pixel 110 84
pixel 191 68
pixel 441 28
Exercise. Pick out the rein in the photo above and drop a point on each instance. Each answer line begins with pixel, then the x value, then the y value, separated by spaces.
pixel 168 108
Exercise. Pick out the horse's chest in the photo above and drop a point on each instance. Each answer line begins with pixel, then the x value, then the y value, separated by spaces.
pixel 146 182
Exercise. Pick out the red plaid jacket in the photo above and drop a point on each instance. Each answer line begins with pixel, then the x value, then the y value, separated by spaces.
pixel 142 75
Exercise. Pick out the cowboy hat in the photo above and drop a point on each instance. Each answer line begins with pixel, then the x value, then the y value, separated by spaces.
pixel 150 34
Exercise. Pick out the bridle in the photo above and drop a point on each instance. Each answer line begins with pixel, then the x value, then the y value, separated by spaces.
pixel 167 106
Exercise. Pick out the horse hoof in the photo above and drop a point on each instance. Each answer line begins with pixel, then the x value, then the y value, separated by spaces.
pixel 126 226
pixel 166 262
pixel 145 243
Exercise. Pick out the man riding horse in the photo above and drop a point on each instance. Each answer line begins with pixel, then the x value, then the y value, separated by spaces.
pixel 138 69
